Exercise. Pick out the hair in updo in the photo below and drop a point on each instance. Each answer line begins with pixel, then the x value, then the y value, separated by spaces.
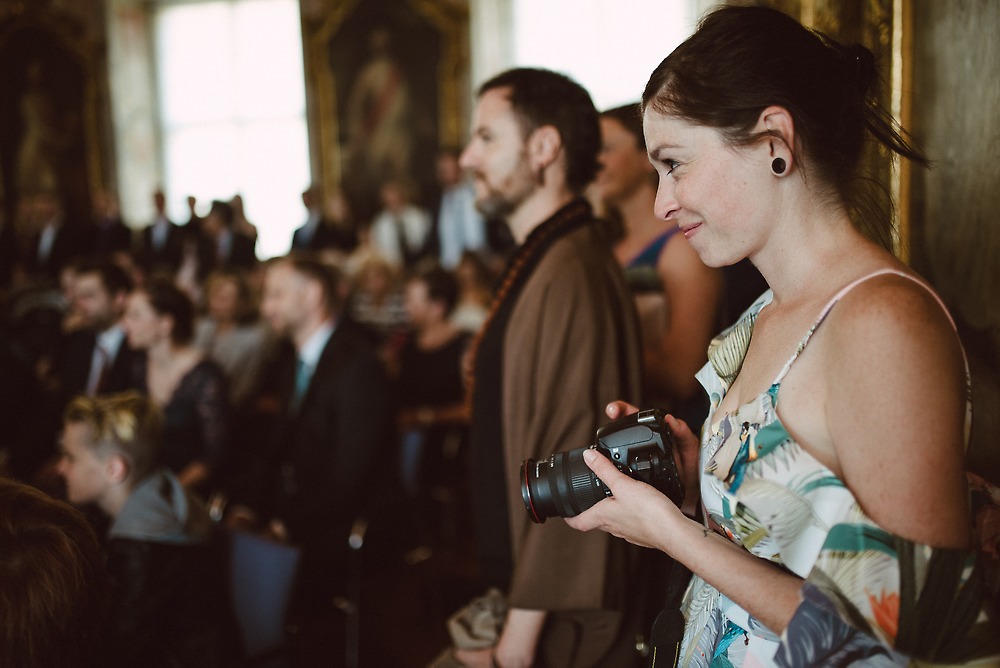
pixel 745 59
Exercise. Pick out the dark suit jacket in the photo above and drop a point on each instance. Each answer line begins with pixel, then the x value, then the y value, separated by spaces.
pixel 327 235
pixel 111 237
pixel 69 243
pixel 321 463
pixel 242 254
pixel 74 366
pixel 169 256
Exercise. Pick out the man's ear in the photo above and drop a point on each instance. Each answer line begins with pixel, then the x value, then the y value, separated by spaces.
pixel 117 469
pixel 544 146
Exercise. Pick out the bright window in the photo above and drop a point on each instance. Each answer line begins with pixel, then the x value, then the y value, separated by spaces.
pixel 232 105
pixel 610 48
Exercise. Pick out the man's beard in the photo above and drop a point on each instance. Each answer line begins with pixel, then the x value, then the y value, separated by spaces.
pixel 499 204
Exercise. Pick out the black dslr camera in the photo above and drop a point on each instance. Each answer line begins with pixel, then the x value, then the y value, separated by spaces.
pixel 640 445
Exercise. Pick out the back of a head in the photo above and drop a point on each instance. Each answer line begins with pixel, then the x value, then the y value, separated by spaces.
pixel 541 97
pixel 742 60
pixel 53 588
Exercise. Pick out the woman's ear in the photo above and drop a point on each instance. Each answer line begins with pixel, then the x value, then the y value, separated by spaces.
pixel 777 123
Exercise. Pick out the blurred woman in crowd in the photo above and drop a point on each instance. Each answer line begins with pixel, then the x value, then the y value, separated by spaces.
pixel 188 388
pixel 676 294
pixel 231 334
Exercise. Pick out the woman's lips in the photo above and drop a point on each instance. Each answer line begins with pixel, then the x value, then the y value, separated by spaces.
pixel 688 230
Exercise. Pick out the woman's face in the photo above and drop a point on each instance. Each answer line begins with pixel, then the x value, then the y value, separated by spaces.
pixel 716 194
pixel 624 165
pixel 223 300
pixel 143 325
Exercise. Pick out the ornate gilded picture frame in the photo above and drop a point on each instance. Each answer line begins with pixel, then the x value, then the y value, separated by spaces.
pixel 389 86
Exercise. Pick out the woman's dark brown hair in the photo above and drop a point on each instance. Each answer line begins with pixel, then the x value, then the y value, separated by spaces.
pixel 53 588
pixel 169 300
pixel 742 60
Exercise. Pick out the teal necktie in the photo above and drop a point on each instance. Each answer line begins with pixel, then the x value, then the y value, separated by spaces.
pixel 302 377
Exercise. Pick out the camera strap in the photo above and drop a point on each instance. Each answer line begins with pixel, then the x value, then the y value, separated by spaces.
pixel 668 628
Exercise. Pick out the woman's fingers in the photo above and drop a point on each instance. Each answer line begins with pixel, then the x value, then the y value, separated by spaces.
pixel 618 408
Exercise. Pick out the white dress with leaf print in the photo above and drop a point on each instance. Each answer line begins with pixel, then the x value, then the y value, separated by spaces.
pixel 869 597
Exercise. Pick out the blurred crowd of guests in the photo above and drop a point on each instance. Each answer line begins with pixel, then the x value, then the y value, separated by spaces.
pixel 292 394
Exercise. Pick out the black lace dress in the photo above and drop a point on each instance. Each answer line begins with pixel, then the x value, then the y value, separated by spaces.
pixel 196 419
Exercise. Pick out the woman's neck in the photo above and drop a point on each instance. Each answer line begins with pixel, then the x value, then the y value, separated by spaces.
pixel 813 253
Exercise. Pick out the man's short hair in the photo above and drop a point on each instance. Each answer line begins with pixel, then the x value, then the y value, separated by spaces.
pixel 328 276
pixel 53 589
pixel 128 424
pixel 113 277
pixel 542 97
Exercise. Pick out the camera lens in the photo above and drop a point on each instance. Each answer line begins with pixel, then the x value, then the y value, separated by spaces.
pixel 562 485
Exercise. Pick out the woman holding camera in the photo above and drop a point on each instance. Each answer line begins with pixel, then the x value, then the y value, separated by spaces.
pixel 830 469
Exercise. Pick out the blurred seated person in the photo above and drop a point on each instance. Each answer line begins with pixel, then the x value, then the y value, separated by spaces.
pixel 222 243
pixel 53 588
pixel 160 245
pixel 165 561
pixel 677 296
pixel 429 388
pixel 231 333
pixel 325 227
pixel 111 235
pixel 97 358
pixel 377 300
pixel 187 387
pixel 401 229
pixel 475 292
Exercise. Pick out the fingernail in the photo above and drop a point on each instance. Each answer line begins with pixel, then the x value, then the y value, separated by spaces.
pixel 588 455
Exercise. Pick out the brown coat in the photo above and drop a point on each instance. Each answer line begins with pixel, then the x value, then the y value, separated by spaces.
pixel 571 346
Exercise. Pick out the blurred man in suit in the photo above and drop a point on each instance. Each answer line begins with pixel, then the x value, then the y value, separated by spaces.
pixel 97 358
pixel 55 241
pixel 319 232
pixel 221 244
pixel 161 246
pixel 329 394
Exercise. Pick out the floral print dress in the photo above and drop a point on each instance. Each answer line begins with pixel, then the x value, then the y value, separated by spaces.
pixel 869 598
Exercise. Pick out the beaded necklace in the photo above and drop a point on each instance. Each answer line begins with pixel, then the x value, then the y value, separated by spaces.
pixel 571 216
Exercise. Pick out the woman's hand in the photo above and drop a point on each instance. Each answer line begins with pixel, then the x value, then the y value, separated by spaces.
pixel 637 512
pixel 686 456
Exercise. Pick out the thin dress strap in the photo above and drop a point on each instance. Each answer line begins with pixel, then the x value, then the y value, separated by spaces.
pixel 840 295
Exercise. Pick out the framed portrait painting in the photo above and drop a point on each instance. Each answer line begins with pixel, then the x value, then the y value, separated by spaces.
pixel 390 87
